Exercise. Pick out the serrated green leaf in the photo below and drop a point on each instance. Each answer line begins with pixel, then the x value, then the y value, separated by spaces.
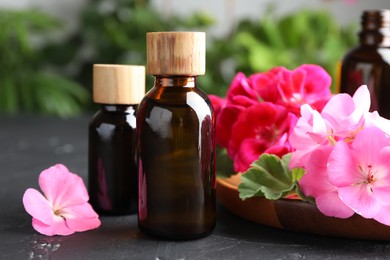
pixel 277 170
pixel 250 184
pixel 286 159
pixel 269 176
pixel 273 194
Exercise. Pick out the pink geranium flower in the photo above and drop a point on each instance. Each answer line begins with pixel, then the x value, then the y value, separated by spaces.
pixel 259 111
pixel 241 86
pixel 265 84
pixel 361 173
pixel 218 103
pixel 227 116
pixel 307 84
pixel 63 208
pixel 345 151
pixel 346 114
pixel 261 128
pixel 341 119
pixel 316 183
pixel 310 132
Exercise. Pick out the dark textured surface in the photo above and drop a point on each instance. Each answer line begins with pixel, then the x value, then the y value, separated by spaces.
pixel 30 144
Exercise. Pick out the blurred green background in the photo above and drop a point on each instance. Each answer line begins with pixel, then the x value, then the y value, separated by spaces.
pixel 43 72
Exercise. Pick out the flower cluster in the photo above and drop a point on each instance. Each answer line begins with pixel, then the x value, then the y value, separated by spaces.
pixel 259 112
pixel 345 151
pixel 64 207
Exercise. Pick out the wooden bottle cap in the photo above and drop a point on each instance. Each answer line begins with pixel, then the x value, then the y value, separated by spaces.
pixel 118 84
pixel 176 53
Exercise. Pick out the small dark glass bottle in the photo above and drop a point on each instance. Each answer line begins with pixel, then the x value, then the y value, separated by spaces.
pixel 176 141
pixel 112 171
pixel 369 63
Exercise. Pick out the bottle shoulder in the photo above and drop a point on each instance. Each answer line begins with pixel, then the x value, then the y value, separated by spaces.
pixel 171 96
pixel 369 54
pixel 117 119
pixel 175 104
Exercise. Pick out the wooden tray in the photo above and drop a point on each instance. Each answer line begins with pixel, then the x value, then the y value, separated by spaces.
pixel 296 215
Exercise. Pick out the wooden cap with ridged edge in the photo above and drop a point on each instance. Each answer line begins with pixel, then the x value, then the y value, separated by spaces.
pixel 176 53
pixel 118 84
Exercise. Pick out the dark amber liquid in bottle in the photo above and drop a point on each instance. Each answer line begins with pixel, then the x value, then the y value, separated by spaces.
pixel 369 63
pixel 112 162
pixel 176 157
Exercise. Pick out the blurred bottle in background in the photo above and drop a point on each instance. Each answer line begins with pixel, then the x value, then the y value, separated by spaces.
pixel 369 62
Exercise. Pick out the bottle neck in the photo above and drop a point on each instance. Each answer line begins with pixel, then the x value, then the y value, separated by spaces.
pixel 375 28
pixel 175 81
pixel 118 108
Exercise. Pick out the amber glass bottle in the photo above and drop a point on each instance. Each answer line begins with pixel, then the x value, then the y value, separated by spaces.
pixel 112 171
pixel 369 63
pixel 176 141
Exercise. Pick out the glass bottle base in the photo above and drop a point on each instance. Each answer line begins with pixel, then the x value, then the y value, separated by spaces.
pixel 173 236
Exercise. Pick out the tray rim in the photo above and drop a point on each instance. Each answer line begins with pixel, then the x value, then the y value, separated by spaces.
pixel 286 214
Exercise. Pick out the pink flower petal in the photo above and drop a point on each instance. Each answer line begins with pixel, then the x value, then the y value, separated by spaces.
pixel 217 103
pixel 62 187
pixel 382 192
pixel 240 87
pixel 317 81
pixel 361 199
pixel 384 215
pixel 38 207
pixel 278 150
pixel 81 217
pixel 242 101
pixel 374 119
pixel 308 134
pixel 331 205
pixel 227 117
pixel 298 78
pixel 338 109
pixel 249 151
pixel 259 128
pixel 368 143
pixel 265 85
pixel 343 168
pixel 58 228
pixel 313 184
pixel 346 114
pixel 381 187
pixel 315 181
pixel 307 84
pixel 362 101
pixel 259 117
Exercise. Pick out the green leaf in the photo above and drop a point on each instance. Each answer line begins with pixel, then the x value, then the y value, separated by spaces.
pixel 10 93
pixel 56 95
pixel 297 174
pixel 269 176
pixel 272 33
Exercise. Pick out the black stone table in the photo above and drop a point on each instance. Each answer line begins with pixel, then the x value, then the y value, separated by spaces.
pixel 29 144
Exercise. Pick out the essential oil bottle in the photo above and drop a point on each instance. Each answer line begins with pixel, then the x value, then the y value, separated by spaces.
pixel 176 141
pixel 112 171
pixel 369 62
